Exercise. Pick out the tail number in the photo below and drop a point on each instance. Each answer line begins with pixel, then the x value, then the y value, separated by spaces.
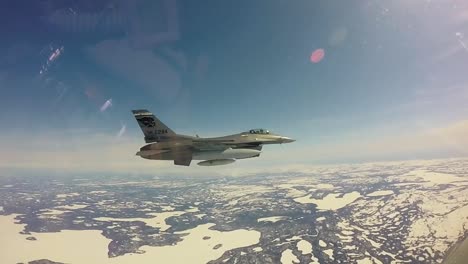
pixel 161 131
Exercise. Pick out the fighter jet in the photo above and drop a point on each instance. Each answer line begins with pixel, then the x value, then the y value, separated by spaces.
pixel 165 144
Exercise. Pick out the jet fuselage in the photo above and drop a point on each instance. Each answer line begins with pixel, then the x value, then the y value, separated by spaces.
pixel 164 144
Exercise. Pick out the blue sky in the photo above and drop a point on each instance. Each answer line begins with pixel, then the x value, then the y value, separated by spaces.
pixel 392 84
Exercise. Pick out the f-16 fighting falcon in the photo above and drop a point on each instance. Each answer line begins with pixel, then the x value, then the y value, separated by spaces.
pixel 165 144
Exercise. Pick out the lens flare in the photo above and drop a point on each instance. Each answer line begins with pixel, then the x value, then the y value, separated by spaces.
pixel 106 105
pixel 317 55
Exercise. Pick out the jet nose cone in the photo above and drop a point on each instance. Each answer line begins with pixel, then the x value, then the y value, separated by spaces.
pixel 287 140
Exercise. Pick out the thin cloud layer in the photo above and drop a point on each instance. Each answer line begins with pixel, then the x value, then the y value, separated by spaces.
pixel 106 153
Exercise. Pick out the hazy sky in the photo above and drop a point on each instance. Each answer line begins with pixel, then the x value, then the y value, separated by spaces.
pixel 391 85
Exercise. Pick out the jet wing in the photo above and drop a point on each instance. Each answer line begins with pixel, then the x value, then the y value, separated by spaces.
pixel 209 146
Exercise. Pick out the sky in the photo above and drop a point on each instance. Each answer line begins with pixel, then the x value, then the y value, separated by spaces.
pixel 391 83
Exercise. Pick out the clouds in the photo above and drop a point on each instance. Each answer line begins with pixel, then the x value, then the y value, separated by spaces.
pixel 85 152
pixel 446 141
pixel 80 152
pixel 423 142
pixel 101 153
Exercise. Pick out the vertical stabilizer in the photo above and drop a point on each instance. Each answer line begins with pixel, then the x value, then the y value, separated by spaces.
pixel 153 129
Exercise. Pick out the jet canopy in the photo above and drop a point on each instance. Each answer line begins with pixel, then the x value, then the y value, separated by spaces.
pixel 259 131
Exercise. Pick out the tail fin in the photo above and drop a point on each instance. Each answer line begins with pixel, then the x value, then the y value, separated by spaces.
pixel 153 129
